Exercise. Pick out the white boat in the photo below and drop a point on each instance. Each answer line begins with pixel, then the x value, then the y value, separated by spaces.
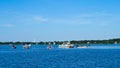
pixel 83 46
pixel 68 45
pixel 27 46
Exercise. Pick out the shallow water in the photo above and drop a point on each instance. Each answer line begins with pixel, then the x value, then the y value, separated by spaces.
pixel 97 56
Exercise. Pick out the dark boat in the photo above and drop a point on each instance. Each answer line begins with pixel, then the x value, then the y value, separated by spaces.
pixel 14 46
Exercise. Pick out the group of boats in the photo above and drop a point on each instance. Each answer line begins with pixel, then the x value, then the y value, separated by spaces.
pixel 26 46
pixel 64 45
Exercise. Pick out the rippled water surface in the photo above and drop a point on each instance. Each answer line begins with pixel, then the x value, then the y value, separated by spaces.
pixel 97 56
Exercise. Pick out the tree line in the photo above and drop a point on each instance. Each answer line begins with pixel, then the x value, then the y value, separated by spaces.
pixel 109 41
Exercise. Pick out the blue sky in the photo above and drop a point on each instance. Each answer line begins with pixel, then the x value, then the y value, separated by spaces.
pixel 57 20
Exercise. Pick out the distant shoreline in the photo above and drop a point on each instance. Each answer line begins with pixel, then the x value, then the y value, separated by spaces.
pixel 109 41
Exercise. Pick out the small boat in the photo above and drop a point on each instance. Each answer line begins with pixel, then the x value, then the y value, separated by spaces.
pixel 66 45
pixel 83 46
pixel 27 46
pixel 50 47
pixel 14 46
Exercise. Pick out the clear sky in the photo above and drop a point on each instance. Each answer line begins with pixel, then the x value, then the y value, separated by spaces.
pixel 57 20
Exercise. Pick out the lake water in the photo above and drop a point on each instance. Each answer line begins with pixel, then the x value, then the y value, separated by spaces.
pixel 97 56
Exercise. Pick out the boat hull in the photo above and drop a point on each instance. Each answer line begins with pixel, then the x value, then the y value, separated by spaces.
pixel 83 47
